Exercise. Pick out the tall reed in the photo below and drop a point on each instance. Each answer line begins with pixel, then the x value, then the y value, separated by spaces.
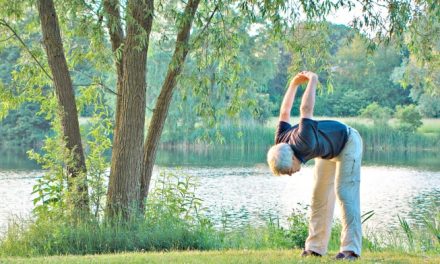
pixel 251 135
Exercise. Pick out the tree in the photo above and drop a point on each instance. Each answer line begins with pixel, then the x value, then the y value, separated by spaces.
pixel 23 127
pixel 409 118
pixel 66 101
pixel 380 115
pixel 126 166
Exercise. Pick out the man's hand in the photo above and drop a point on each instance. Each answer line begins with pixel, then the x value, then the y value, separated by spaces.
pixel 308 99
pixel 310 75
pixel 299 79
pixel 303 77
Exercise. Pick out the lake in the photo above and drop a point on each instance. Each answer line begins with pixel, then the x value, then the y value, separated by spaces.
pixel 237 185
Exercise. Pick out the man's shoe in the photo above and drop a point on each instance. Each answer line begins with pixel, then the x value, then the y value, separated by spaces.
pixel 340 256
pixel 349 255
pixel 309 253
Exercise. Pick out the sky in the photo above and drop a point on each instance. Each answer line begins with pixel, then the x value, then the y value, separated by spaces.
pixel 344 16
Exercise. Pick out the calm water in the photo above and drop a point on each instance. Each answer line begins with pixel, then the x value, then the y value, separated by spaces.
pixel 238 184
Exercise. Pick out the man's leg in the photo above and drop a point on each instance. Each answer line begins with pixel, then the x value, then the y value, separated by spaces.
pixel 323 203
pixel 347 191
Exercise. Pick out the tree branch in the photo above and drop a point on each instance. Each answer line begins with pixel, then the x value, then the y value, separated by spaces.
pixel 5 24
pixel 114 24
pixel 8 38
pixel 163 101
pixel 208 22
pixel 100 83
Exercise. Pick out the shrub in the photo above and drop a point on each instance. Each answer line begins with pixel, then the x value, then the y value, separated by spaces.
pixel 408 117
pixel 380 115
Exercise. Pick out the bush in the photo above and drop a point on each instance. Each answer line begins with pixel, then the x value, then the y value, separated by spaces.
pixel 173 221
pixel 380 115
pixel 408 117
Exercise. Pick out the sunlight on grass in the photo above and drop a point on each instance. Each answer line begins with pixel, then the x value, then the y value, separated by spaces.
pixel 430 125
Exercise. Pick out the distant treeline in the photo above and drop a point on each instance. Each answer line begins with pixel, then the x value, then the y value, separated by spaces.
pixel 354 77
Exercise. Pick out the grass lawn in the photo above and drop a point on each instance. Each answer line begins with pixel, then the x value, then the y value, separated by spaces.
pixel 230 256
pixel 430 125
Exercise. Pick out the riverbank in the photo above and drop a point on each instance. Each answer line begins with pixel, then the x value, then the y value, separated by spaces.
pixel 226 256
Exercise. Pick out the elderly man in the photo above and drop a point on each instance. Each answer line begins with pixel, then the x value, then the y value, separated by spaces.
pixel 337 151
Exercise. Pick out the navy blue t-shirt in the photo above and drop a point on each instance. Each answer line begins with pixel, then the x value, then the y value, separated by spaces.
pixel 310 139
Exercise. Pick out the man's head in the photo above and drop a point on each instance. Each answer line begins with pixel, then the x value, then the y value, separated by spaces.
pixel 282 160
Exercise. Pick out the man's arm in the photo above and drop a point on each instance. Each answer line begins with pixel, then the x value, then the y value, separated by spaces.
pixel 286 105
pixel 308 98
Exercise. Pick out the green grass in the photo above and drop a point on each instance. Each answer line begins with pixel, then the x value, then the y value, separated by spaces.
pixel 226 256
pixel 430 126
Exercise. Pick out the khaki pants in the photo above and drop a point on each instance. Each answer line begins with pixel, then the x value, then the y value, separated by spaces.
pixel 337 178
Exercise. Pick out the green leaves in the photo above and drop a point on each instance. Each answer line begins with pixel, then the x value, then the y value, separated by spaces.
pixel 310 45
pixel 173 198
pixel 408 117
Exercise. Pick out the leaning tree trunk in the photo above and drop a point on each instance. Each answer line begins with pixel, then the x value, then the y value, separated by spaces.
pixel 124 185
pixel 114 25
pixel 66 101
pixel 163 101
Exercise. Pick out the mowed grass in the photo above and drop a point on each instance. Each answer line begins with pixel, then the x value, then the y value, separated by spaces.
pixel 230 256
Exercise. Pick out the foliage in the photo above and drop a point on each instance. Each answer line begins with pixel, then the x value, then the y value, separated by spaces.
pixel 52 198
pixel 310 47
pixel 362 77
pixel 174 221
pixel 261 62
pixel 380 115
pixel 254 136
pixel 422 80
pixel 226 78
pixel 24 127
pixel 298 227
pixel 174 198
pixel 409 118
pixel 379 138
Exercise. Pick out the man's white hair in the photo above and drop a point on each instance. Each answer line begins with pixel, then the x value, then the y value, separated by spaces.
pixel 280 158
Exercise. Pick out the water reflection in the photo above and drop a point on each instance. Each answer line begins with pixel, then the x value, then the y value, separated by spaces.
pixel 221 156
pixel 425 206
pixel 225 156
pixel 16 160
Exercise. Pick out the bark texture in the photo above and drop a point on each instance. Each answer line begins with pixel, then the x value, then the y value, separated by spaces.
pixel 66 101
pixel 124 186
pixel 114 26
pixel 163 102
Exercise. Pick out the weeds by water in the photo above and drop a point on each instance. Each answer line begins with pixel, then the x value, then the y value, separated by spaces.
pixel 175 220
pixel 252 135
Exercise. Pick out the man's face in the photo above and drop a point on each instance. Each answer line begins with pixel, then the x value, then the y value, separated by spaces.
pixel 296 165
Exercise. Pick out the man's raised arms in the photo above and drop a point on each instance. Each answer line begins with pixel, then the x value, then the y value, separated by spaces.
pixel 308 99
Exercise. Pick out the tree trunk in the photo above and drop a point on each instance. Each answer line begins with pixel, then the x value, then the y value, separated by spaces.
pixel 124 185
pixel 114 26
pixel 66 101
pixel 163 102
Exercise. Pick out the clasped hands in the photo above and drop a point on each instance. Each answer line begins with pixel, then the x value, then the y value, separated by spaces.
pixel 303 77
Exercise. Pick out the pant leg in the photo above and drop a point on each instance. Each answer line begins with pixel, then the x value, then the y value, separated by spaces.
pixel 347 185
pixel 322 206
